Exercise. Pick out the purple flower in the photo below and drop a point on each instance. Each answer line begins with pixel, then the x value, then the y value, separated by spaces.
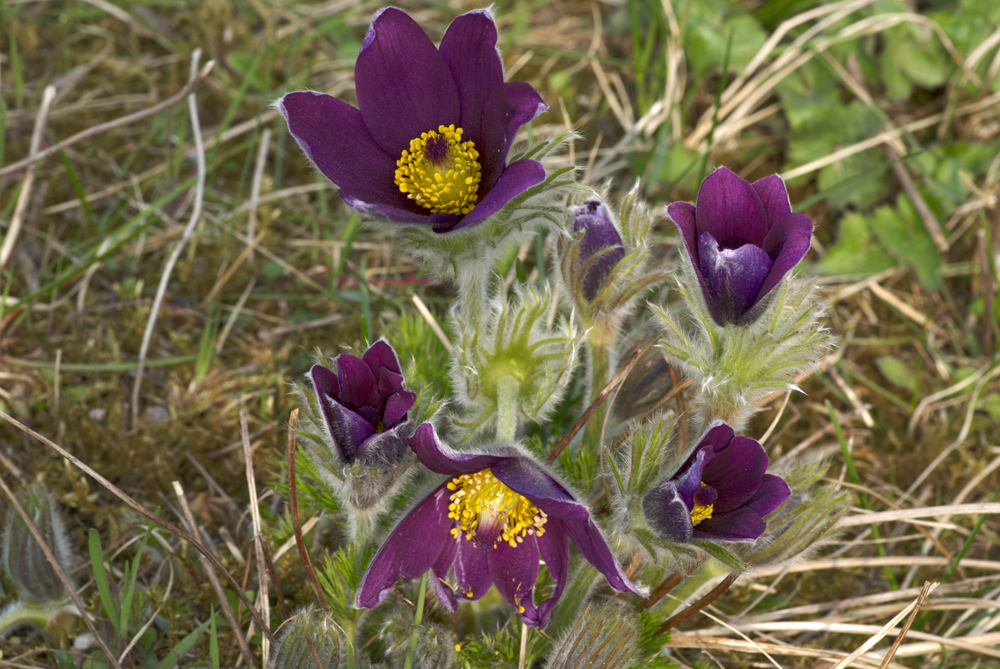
pixel 721 492
pixel 492 520
pixel 364 404
pixel 429 141
pixel 599 234
pixel 742 239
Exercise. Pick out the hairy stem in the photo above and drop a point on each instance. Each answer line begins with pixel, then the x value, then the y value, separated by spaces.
pixel 508 396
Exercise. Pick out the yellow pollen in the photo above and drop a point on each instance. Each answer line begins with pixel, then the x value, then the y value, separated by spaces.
pixel 701 512
pixel 458 648
pixel 440 172
pixel 481 502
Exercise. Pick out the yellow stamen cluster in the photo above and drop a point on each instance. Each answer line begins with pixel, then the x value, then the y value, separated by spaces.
pixel 480 500
pixel 701 512
pixel 440 172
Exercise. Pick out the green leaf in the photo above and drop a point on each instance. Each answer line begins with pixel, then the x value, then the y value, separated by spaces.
pixel 896 372
pixel 709 26
pixel 905 238
pixel 101 578
pixel 861 193
pixel 856 252
pixel 182 647
pixel 721 554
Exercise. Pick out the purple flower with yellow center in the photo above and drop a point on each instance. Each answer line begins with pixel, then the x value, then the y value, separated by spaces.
pixel 491 521
pixel 721 492
pixel 428 143
pixel 742 239
pixel 601 248
pixel 364 404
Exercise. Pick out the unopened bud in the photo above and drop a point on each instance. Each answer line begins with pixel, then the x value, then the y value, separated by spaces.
pixel 308 638
pixel 23 558
pixel 604 637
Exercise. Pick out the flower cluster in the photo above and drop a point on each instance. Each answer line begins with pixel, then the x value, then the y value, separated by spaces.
pixel 429 152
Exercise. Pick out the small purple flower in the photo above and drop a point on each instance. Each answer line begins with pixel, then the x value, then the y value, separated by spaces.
pixel 492 520
pixel 599 234
pixel 742 239
pixel 364 404
pixel 721 492
pixel 429 142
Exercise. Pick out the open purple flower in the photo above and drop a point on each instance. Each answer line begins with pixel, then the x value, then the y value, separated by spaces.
pixel 365 404
pixel 492 520
pixel 599 234
pixel 429 141
pixel 742 239
pixel 721 492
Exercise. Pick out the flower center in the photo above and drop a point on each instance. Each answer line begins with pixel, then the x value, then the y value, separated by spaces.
pixel 440 171
pixel 704 503
pixel 488 511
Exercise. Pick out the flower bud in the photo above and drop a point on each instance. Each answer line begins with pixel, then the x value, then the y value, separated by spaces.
pixel 23 558
pixel 600 248
pixel 307 637
pixel 435 649
pixel 604 637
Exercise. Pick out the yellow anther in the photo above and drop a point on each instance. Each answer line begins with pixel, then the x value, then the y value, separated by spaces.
pixel 481 503
pixel 701 512
pixel 440 172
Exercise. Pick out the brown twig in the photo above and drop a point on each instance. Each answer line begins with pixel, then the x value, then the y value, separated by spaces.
pixel 144 512
pixel 60 573
pixel 661 591
pixel 926 215
pixel 682 427
pixel 293 501
pixel 907 625
pixel 111 125
pixel 263 590
pixel 710 597
pixel 623 372
pixel 227 609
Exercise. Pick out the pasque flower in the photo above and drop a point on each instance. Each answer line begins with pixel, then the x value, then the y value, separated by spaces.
pixel 720 492
pixel 601 248
pixel 364 404
pixel 742 239
pixel 428 142
pixel 495 516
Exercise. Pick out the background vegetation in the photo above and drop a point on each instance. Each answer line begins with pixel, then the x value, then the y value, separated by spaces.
pixel 883 115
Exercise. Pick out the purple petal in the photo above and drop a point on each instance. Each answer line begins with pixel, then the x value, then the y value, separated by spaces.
pixel 688 481
pixel 517 178
pixel 396 407
pixel 439 458
pixel 335 137
pixel 683 216
pixel 411 548
pixel 787 243
pixel 729 209
pixel 599 233
pixel 526 477
pixel 771 494
pixel 324 381
pixel 357 383
pixel 384 447
pixel 389 382
pixel 553 546
pixel 716 437
pixel 733 276
pixel 510 106
pixel 348 429
pixel 404 86
pixel 595 549
pixel 381 356
pixel 473 577
pixel 469 47
pixel 382 212
pixel 743 524
pixel 515 570
pixel 667 513
pixel 736 472
pixel 774 196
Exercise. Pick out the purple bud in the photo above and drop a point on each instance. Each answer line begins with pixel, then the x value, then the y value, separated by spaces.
pixel 599 234
pixel 722 492
pixel 365 404
pixel 742 239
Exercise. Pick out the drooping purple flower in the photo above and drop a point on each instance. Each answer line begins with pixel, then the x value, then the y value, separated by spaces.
pixel 742 239
pixel 365 404
pixel 720 492
pixel 491 521
pixel 429 141
pixel 599 234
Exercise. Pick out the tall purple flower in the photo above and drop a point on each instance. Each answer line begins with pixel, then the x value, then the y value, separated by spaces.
pixel 365 404
pixel 429 141
pixel 742 239
pixel 601 249
pixel 721 492
pixel 492 520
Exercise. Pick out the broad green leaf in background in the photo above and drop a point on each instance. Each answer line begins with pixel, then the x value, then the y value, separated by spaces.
pixel 862 193
pixel 896 371
pixel 856 252
pixel 903 235
pixel 710 23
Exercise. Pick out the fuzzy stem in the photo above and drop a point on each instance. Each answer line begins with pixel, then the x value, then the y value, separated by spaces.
pixel 412 650
pixel 21 613
pixel 600 374
pixel 508 397
pixel 362 525
pixel 471 295
pixel 524 646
